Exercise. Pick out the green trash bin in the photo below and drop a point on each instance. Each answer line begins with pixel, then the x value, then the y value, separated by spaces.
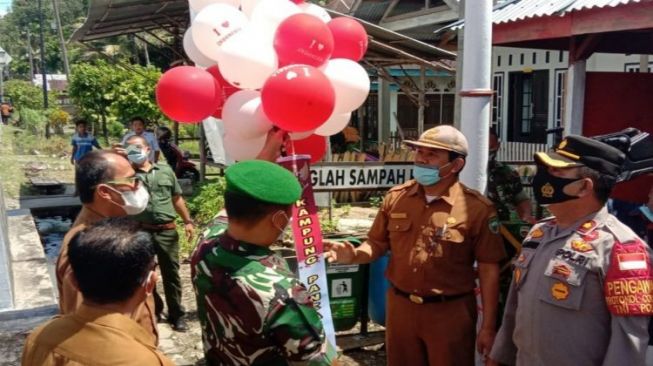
pixel 345 284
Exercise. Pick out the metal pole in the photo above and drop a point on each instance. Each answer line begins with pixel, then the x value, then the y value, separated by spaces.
pixel 476 92
pixel 64 51
pixel 30 55
pixel 43 70
pixel 422 100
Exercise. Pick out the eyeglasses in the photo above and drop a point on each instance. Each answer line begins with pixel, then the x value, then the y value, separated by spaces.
pixel 128 181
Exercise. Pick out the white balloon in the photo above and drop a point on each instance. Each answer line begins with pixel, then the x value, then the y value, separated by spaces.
pixel 300 135
pixel 246 60
pixel 351 83
pixel 335 124
pixel 243 115
pixel 239 148
pixel 268 14
pixel 214 25
pixel 198 5
pixel 193 53
pixel 315 10
pixel 248 6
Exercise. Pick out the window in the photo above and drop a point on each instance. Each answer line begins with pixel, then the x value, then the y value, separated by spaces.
pixel 509 60
pixel 439 110
pixel 499 60
pixel 634 67
pixel 527 110
pixel 534 58
pixel 547 57
pixel 560 56
pixel 497 101
pixel 521 59
pixel 559 95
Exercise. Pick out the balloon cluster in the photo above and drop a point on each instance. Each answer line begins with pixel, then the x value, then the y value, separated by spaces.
pixel 266 63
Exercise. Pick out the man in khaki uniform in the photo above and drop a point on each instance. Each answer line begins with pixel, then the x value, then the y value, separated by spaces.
pixel 107 187
pixel 436 229
pixel 98 332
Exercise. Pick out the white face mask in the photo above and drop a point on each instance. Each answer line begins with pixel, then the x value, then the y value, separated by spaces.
pixel 135 201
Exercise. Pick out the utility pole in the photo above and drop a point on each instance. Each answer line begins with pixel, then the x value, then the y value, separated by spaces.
pixel 43 70
pixel 30 55
pixel 64 51
pixel 476 91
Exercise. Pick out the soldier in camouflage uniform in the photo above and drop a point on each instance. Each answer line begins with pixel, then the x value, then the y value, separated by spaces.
pixel 505 190
pixel 252 309
pixel 504 187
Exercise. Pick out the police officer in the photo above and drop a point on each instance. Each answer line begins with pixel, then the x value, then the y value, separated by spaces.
pixel 159 219
pixel 582 287
pixel 436 228
pixel 252 309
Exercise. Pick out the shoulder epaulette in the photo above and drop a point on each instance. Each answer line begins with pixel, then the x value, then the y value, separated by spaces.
pixel 403 186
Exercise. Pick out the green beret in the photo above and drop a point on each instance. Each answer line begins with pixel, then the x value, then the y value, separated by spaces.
pixel 264 181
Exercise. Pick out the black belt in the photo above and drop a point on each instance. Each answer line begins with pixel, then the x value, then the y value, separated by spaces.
pixel 429 299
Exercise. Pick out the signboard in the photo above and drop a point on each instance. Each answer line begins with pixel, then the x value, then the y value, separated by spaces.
pixel 359 175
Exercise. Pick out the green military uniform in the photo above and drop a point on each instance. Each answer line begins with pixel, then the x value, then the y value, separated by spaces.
pixel 158 218
pixel 505 190
pixel 252 309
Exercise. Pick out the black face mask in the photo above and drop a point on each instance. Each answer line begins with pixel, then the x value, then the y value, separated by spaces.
pixel 548 189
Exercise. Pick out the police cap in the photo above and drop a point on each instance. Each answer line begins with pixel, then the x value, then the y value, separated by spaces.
pixel 575 151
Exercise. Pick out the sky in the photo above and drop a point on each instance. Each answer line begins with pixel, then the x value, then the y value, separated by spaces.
pixel 4 6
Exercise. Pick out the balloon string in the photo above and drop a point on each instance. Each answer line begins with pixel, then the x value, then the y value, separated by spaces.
pixel 295 169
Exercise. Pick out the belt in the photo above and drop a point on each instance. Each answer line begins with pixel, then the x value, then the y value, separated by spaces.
pixel 159 227
pixel 429 299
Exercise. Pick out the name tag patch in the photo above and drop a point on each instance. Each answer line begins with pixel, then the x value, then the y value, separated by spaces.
pixel 561 270
pixel 398 215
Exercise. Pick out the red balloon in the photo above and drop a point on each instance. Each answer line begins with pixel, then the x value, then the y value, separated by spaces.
pixel 303 39
pixel 350 38
pixel 187 94
pixel 298 98
pixel 297 1
pixel 226 91
pixel 313 145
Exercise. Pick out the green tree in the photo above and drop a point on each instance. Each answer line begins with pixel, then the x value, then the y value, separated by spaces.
pixel 24 94
pixel 91 88
pixel 135 95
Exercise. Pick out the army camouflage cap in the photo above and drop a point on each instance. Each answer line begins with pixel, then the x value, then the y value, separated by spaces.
pixel 442 137
pixel 263 181
pixel 575 151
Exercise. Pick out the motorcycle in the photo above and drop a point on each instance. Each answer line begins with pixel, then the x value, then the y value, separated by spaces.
pixel 178 160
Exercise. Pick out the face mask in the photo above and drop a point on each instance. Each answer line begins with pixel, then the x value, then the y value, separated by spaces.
pixel 283 229
pixel 647 212
pixel 548 189
pixel 136 155
pixel 135 201
pixel 427 175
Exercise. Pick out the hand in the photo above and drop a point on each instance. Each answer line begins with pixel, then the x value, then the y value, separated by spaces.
pixel 524 211
pixel 339 252
pixel 484 341
pixel 118 149
pixel 189 228
pixel 273 143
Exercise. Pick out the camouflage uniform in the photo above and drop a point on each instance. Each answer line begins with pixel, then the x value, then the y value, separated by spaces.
pixel 252 309
pixel 504 188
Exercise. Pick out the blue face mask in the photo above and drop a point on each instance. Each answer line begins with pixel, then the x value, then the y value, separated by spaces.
pixel 427 175
pixel 646 211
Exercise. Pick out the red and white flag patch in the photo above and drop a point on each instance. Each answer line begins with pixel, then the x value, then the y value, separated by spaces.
pixel 632 261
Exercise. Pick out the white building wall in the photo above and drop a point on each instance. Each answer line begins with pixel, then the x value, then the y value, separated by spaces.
pixel 509 59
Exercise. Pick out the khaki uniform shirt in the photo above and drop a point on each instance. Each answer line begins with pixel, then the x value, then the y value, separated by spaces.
pixel 162 185
pixel 434 245
pixel 92 336
pixel 70 299
pixel 556 313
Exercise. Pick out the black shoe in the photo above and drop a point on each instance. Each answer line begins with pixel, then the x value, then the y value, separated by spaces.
pixel 179 324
